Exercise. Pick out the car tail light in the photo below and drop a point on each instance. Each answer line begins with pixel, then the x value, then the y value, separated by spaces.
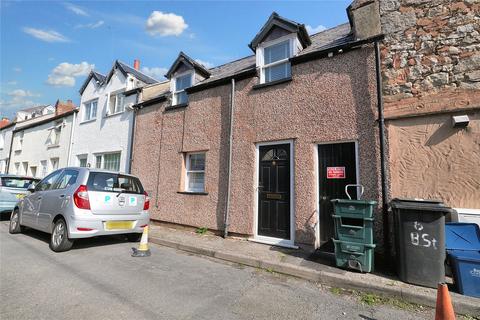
pixel 146 204
pixel 80 197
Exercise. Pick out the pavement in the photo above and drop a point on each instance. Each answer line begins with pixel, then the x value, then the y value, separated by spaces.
pixel 98 279
pixel 302 264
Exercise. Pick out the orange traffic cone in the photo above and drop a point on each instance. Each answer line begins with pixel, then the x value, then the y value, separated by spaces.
pixel 444 308
pixel 142 250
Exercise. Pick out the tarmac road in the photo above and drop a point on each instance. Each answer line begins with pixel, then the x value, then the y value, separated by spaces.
pixel 98 279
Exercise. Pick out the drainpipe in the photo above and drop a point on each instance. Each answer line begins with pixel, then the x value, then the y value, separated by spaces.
pixel 10 151
pixel 159 162
pixel 132 134
pixel 230 146
pixel 71 139
pixel 383 168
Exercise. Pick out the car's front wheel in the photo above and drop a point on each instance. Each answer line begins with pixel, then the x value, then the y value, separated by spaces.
pixel 15 226
pixel 59 240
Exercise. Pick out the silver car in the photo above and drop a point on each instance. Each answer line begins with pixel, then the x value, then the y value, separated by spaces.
pixel 72 203
pixel 12 189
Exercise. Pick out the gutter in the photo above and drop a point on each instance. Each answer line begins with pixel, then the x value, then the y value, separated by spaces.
pixel 383 164
pixel 230 147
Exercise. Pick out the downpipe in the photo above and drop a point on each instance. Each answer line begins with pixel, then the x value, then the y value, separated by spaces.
pixel 230 147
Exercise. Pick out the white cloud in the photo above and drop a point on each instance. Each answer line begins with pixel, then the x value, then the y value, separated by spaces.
pixel 312 30
pixel 65 73
pixel 206 64
pixel 76 9
pixel 155 72
pixel 92 25
pixel 46 35
pixel 165 24
pixel 20 93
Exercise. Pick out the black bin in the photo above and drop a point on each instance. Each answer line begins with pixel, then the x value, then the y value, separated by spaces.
pixel 420 240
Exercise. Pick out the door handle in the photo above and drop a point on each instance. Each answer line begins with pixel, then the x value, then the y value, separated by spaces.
pixel 324 198
pixel 61 196
pixel 39 198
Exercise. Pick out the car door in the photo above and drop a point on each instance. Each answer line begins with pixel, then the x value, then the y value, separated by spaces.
pixel 31 202
pixel 56 198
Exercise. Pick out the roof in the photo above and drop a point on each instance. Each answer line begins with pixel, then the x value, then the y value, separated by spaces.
pixel 329 38
pixel 47 118
pixel 33 109
pixel 281 22
pixel 124 68
pixel 183 58
pixel 4 122
pixel 100 78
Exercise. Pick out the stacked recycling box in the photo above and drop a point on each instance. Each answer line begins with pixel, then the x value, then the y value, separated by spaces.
pixel 354 247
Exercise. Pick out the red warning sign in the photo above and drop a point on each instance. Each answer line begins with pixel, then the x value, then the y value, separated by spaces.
pixel 335 172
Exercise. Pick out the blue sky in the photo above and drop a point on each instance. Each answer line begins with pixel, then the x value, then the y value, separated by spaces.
pixel 48 47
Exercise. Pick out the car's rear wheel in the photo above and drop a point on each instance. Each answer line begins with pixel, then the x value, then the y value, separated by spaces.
pixel 59 240
pixel 134 237
pixel 15 226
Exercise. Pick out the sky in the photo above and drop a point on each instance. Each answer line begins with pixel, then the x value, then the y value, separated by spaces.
pixel 47 48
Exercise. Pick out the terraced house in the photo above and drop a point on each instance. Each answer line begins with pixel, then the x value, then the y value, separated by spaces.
pixel 259 146
pixel 103 128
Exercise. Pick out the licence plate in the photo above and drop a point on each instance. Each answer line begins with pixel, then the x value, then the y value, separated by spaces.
pixel 118 225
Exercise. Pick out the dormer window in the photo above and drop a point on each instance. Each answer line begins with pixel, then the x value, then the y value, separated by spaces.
pixel 274 63
pixel 180 83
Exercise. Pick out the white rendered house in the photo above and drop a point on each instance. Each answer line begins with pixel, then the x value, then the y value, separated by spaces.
pixel 103 129
pixel 5 142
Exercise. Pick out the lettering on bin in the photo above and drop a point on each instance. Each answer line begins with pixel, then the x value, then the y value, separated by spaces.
pixel 419 238
pixel 475 272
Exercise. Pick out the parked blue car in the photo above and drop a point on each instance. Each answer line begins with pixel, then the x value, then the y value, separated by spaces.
pixel 12 189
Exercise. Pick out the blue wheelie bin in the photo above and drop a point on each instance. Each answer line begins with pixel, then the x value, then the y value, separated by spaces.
pixel 462 241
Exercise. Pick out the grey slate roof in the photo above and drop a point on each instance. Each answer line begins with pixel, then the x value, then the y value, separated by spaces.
pixel 124 68
pixel 36 108
pixel 320 41
pixel 182 57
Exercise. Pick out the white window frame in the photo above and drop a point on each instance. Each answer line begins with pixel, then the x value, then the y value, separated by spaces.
pixel 112 110
pixel 81 157
pixel 187 171
pixel 260 51
pixel 44 165
pixel 91 117
pixel 173 84
pixel 2 140
pixel 55 160
pixel 53 136
pixel 102 159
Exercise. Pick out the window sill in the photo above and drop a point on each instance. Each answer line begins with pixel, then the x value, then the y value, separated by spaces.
pixel 53 146
pixel 272 83
pixel 87 121
pixel 113 114
pixel 177 106
pixel 193 193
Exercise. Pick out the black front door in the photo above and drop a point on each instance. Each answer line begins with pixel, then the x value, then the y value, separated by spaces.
pixel 274 191
pixel 337 168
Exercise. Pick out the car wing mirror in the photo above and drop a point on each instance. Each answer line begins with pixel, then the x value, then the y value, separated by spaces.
pixel 31 188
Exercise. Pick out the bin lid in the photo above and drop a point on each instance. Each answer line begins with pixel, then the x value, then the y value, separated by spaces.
pixel 420 204
pixel 473 256
pixel 348 201
pixel 462 236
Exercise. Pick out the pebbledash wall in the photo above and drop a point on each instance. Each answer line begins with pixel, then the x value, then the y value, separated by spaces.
pixel 327 100
pixel 431 71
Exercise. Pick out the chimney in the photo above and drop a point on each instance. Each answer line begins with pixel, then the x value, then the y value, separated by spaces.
pixel 136 64
pixel 69 102
pixel 364 16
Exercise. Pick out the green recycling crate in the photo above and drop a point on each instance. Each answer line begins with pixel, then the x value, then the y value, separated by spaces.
pixel 353 230
pixel 353 208
pixel 354 255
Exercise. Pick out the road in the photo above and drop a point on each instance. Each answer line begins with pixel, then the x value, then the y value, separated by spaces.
pixel 98 279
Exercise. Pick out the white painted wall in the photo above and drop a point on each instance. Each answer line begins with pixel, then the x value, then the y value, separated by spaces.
pixel 107 133
pixel 6 138
pixel 36 146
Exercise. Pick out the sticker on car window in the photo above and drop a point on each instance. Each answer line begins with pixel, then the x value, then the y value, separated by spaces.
pixel 132 201
pixel 107 200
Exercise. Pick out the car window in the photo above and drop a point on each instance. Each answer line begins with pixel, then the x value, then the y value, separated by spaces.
pixel 68 178
pixel 48 181
pixel 17 182
pixel 112 182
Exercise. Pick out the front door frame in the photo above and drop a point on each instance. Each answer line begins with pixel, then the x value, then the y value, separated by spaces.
pixel 271 240
pixel 317 179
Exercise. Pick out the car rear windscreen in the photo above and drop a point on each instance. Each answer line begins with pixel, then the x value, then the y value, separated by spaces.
pixel 112 182
pixel 20 183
